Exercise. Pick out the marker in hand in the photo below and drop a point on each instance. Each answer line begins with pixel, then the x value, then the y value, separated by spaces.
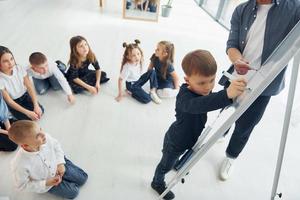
pixel 231 77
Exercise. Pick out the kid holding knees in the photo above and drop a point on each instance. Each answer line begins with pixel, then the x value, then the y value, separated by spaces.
pixel 131 72
pixel 79 76
pixel 5 143
pixel 162 62
pixel 17 89
pixel 40 164
pixel 193 101
pixel 45 76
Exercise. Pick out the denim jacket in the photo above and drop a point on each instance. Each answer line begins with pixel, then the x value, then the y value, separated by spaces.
pixel 282 17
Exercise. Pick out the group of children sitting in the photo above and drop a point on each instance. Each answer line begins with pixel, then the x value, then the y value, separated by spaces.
pixel 40 164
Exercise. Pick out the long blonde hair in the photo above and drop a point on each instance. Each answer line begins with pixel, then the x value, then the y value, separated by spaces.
pixel 128 49
pixel 74 56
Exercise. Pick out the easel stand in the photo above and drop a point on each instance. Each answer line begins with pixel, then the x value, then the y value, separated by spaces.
pixel 286 124
pixel 257 84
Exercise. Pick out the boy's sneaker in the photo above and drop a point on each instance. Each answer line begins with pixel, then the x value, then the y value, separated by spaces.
pixel 226 168
pixel 160 189
pixel 154 97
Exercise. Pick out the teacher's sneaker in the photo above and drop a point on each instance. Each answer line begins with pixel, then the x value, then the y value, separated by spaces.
pixel 226 168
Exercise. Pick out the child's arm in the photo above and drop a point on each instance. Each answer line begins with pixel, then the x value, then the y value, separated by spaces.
pixel 175 80
pixel 32 115
pixel 150 66
pixel 24 182
pixel 119 97
pixel 89 88
pixel 98 76
pixel 3 131
pixel 64 84
pixel 32 94
pixel 213 101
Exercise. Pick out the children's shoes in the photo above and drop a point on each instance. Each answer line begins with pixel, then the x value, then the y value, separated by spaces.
pixel 154 97
pixel 160 189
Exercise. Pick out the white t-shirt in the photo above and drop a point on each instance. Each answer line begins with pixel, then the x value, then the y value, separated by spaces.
pixel 255 39
pixel 131 72
pixel 14 84
pixel 52 70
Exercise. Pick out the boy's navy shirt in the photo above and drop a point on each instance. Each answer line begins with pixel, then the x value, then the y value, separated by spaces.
pixel 191 115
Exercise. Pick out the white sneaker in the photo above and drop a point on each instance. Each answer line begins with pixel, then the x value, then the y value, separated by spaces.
pixel 221 139
pixel 154 97
pixel 226 168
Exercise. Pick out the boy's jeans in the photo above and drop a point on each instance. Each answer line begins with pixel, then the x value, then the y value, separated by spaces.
pixel 42 85
pixel 171 154
pixel 73 178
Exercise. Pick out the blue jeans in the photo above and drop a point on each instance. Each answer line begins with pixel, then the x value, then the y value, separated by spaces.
pixel 73 178
pixel 171 154
pixel 136 87
pixel 244 126
pixel 42 85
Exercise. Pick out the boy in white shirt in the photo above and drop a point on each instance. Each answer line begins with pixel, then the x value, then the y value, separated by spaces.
pixel 40 165
pixel 45 76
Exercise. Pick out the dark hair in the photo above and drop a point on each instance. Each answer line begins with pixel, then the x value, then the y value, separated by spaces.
pixel 74 57
pixel 4 50
pixel 37 58
pixel 199 62
pixel 128 49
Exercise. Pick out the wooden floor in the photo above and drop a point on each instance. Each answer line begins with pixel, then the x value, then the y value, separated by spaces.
pixel 119 144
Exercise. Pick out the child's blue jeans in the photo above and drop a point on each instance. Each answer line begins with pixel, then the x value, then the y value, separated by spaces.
pixel 42 85
pixel 73 178
pixel 136 87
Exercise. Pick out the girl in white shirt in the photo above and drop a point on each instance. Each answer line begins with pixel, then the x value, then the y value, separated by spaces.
pixel 131 72
pixel 17 88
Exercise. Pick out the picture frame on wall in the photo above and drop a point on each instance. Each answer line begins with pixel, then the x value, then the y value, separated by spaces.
pixel 147 10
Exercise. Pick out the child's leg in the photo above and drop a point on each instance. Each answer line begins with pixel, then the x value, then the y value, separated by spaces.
pixel 103 78
pixel 65 189
pixel 41 85
pixel 167 93
pixel 149 75
pixel 55 85
pixel 138 93
pixel 5 143
pixel 26 102
pixel 76 88
pixel 73 178
pixel 170 155
pixel 74 174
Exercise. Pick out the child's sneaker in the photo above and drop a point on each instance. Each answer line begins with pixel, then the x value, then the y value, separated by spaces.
pixel 226 168
pixel 221 139
pixel 154 97
pixel 160 189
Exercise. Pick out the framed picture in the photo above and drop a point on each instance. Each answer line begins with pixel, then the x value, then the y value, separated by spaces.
pixel 141 9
